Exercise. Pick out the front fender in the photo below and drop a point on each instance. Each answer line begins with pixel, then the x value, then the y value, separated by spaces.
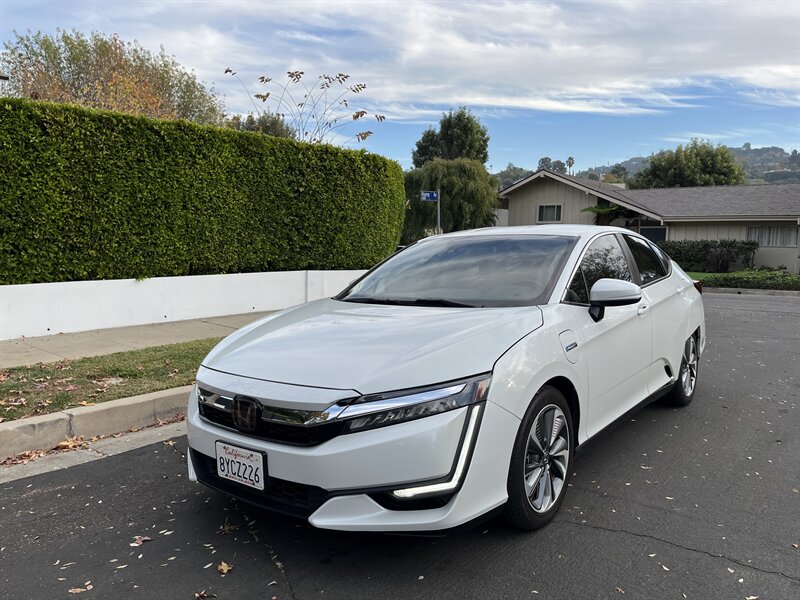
pixel 531 363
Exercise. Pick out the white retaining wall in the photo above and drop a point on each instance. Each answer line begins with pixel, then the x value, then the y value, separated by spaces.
pixel 48 308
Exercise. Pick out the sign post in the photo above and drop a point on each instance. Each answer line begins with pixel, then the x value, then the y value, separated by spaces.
pixel 434 196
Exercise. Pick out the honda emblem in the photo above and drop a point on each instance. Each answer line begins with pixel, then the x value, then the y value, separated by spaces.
pixel 245 413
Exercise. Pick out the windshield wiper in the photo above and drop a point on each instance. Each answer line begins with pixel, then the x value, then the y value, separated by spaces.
pixel 408 301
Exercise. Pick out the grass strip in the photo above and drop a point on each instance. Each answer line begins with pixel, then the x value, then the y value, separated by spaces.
pixel 46 388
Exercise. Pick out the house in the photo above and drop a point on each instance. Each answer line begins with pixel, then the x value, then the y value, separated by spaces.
pixel 768 213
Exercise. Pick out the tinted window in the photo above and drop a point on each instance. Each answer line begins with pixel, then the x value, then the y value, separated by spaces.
pixel 477 271
pixel 603 259
pixel 662 256
pixel 648 263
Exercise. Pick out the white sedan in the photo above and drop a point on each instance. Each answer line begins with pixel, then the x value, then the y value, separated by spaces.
pixel 455 378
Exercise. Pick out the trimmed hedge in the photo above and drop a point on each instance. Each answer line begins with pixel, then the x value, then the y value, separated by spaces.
pixel 753 279
pixel 90 194
pixel 710 255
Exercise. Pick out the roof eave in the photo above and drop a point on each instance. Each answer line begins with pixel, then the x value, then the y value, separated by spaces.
pixel 685 218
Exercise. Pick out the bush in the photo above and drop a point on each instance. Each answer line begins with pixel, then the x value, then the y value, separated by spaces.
pixel 753 279
pixel 715 256
pixel 98 195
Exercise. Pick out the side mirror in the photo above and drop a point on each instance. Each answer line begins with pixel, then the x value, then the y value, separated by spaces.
pixel 611 292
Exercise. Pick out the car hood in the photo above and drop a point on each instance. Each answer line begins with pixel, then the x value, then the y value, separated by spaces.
pixel 372 348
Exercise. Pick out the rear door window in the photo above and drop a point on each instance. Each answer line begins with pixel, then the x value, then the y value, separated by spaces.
pixel 649 264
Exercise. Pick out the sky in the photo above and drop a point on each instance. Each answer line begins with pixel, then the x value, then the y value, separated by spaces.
pixel 600 81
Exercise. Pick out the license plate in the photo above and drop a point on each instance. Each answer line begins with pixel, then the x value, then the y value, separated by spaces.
pixel 240 465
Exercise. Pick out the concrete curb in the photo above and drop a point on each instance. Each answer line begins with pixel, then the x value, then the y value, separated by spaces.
pixel 114 416
pixel 750 291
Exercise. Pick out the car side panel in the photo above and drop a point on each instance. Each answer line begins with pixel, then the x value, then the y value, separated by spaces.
pixel 668 307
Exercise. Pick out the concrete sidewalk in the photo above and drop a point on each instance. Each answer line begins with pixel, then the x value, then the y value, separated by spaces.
pixel 51 348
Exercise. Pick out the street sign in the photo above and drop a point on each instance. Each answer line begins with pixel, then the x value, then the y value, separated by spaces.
pixel 429 196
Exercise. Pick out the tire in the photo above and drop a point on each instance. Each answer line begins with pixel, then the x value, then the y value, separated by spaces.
pixel 537 479
pixel 682 392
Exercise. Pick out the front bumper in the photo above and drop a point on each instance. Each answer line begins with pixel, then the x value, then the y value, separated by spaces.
pixel 344 483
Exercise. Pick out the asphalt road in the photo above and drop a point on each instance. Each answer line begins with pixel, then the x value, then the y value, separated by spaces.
pixel 701 502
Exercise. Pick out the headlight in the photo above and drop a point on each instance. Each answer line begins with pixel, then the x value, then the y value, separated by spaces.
pixel 377 410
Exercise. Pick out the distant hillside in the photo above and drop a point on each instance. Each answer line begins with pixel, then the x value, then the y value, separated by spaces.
pixel 770 164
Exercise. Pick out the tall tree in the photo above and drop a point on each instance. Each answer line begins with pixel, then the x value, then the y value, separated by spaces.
pixel 460 135
pixel 427 148
pixel 570 162
pixel 100 71
pixel 468 197
pixel 545 163
pixel 696 164
pixel 558 166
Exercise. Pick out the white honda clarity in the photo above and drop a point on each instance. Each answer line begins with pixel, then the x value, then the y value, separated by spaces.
pixel 455 378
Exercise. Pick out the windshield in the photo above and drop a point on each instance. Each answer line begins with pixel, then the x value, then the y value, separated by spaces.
pixel 476 271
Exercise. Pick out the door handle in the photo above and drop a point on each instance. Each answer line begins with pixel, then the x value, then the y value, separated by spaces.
pixel 642 309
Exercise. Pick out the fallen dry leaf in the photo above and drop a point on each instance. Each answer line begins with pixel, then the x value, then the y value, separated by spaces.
pixel 76 590
pixel 71 443
pixel 203 594
pixel 620 590
pixel 224 568
pixel 665 567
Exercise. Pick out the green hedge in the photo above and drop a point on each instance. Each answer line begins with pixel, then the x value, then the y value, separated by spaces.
pixel 710 255
pixel 98 195
pixel 753 279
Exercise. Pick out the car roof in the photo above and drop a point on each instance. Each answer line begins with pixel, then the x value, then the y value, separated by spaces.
pixel 583 231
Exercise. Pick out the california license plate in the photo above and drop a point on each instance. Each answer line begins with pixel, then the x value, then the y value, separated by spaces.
pixel 240 465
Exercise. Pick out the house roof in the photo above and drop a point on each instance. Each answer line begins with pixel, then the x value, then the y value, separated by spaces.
pixel 723 202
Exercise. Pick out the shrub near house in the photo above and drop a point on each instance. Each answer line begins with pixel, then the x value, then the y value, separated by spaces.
pixel 87 194
pixel 716 256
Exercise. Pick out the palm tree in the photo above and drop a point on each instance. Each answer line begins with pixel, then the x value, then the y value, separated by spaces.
pixel 570 162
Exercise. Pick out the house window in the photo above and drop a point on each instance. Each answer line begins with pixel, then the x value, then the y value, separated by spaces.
pixel 775 235
pixel 654 234
pixel 549 213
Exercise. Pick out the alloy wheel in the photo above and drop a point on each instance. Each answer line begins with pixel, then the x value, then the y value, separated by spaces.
pixel 688 374
pixel 546 458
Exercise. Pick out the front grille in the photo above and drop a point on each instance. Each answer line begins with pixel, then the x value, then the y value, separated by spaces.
pixel 282 433
pixel 279 495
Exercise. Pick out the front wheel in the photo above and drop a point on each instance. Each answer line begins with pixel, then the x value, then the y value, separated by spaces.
pixel 683 390
pixel 539 471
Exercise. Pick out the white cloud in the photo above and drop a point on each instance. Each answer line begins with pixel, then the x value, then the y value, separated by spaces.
pixel 613 57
